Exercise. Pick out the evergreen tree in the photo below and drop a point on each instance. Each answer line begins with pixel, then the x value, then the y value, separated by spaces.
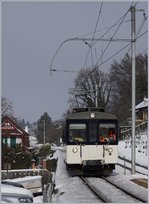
pixel 23 124
pixel 42 127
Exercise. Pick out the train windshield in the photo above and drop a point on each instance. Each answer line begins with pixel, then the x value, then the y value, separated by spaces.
pixel 77 132
pixel 107 132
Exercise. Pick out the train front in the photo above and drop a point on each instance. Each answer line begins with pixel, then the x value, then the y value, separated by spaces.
pixel 91 141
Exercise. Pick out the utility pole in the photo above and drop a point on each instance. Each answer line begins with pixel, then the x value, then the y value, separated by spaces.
pixel 96 95
pixel 133 55
pixel 44 138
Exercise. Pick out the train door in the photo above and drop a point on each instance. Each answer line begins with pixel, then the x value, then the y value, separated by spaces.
pixel 92 138
pixel 90 151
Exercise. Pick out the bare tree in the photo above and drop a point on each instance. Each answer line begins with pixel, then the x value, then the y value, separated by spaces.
pixel 85 86
pixel 6 107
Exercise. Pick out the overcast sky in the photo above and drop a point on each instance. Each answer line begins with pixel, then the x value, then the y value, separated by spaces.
pixel 31 35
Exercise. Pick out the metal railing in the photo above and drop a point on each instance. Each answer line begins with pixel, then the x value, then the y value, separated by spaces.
pixel 11 174
pixel 139 129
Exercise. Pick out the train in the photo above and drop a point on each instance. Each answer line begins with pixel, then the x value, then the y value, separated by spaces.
pixel 90 139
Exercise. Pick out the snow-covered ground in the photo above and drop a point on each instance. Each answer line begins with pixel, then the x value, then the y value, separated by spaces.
pixel 71 189
pixel 124 150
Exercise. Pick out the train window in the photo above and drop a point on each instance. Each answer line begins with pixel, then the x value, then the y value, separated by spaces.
pixel 77 132
pixel 107 132
pixel 92 132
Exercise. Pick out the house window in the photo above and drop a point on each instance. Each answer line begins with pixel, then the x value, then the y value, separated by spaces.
pixel 5 140
pixel 13 142
pixel 140 115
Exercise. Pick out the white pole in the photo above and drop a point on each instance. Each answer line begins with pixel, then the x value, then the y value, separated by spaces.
pixel 133 37
pixel 44 138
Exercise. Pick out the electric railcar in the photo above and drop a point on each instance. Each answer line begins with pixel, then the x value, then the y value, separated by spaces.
pixel 90 139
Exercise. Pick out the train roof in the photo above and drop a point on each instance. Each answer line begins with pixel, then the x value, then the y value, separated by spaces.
pixel 90 113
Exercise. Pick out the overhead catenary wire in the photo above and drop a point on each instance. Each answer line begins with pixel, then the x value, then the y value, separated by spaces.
pixel 102 29
pixel 144 51
pixel 83 39
pixel 112 36
pixel 120 19
pixel 66 70
pixel 96 67
pixel 90 46
pixel 140 28
pixel 106 28
pixel 97 22
pixel 92 90
pixel 108 34
pixel 77 38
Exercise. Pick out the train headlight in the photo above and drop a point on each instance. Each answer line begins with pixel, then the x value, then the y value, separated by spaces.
pixel 92 115
pixel 110 150
pixel 74 150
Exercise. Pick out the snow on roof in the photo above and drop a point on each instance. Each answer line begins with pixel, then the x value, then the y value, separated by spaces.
pixel 33 141
pixel 143 104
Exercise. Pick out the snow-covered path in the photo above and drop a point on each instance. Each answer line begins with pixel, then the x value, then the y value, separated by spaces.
pixel 70 189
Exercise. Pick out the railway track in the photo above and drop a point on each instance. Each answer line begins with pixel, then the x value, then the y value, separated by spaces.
pixel 109 192
pixel 95 190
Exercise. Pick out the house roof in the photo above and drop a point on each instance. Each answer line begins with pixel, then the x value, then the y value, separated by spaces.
pixel 143 104
pixel 13 124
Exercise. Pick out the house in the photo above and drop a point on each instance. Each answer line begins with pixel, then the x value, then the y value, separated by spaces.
pixel 142 111
pixel 13 134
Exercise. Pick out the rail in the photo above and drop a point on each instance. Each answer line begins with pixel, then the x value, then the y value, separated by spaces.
pixel 95 190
